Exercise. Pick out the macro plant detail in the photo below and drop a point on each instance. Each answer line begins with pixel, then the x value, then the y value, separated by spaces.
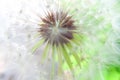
pixel 76 41
pixel 57 28
pixel 59 33
pixel 62 40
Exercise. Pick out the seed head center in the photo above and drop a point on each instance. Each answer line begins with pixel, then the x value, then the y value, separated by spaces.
pixel 57 28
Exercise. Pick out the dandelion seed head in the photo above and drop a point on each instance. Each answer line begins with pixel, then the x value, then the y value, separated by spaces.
pixel 56 28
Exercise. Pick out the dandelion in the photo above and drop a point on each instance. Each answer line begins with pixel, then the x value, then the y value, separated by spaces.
pixel 79 36
pixel 60 34
pixel 57 28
